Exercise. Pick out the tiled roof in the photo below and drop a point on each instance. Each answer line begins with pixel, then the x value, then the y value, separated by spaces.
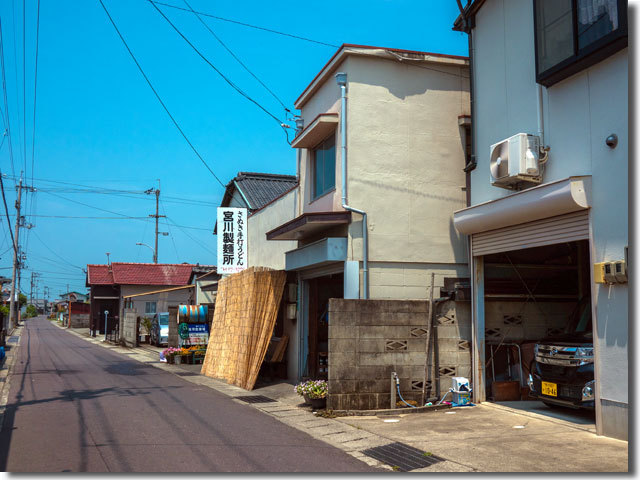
pixel 121 273
pixel 99 275
pixel 260 188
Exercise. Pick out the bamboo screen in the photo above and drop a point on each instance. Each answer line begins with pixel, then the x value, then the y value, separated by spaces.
pixel 246 309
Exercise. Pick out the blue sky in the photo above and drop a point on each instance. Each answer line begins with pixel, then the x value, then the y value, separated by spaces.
pixel 98 124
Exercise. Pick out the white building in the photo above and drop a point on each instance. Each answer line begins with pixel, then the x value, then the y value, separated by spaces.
pixel 533 73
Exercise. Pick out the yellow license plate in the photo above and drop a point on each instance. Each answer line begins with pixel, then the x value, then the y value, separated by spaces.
pixel 550 389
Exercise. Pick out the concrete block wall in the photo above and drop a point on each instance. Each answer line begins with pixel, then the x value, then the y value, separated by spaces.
pixel 369 339
pixel 516 321
pixel 129 328
pixel 79 320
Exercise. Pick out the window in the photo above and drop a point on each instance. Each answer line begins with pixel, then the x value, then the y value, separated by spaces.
pixel 150 307
pixel 324 167
pixel 572 35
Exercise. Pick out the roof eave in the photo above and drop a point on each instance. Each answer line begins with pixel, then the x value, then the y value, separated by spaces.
pixel 365 50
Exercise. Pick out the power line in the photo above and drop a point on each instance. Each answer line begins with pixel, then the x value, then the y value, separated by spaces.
pixel 192 238
pixel 249 25
pixel 6 102
pixel 234 55
pixel 35 93
pixel 6 210
pixel 224 77
pixel 47 247
pixel 24 82
pixel 175 123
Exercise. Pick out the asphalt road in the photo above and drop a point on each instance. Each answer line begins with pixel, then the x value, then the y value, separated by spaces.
pixel 77 407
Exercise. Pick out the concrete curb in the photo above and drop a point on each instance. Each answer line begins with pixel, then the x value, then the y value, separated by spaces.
pixel 395 411
pixel 5 371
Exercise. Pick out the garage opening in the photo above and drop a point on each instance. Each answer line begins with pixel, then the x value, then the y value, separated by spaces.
pixel 538 330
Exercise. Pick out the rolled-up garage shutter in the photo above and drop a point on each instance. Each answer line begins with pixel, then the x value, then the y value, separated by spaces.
pixel 547 231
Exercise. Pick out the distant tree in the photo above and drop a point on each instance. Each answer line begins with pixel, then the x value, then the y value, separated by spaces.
pixel 22 299
pixel 32 311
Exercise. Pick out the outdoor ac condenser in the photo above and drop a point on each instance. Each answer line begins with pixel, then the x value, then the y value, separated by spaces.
pixel 515 161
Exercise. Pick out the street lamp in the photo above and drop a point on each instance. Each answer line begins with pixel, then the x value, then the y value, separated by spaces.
pixel 151 248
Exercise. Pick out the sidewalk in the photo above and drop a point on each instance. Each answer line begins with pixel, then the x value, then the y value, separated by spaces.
pixel 484 438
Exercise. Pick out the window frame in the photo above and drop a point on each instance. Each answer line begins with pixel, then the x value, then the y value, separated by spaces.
pixel 588 56
pixel 314 194
pixel 155 308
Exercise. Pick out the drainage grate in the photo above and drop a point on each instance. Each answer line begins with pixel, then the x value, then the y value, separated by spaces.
pixel 187 374
pixel 402 457
pixel 13 339
pixel 255 399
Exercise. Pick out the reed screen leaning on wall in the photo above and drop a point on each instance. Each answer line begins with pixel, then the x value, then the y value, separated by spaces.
pixel 245 315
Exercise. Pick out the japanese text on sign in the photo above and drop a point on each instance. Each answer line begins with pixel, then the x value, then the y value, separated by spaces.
pixel 232 239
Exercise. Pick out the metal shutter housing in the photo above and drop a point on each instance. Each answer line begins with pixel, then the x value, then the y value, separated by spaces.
pixel 562 228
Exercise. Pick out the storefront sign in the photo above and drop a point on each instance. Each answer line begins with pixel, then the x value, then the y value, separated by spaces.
pixel 198 333
pixel 232 239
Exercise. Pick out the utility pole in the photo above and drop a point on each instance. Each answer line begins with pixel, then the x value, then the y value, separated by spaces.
pixel 17 257
pixel 157 216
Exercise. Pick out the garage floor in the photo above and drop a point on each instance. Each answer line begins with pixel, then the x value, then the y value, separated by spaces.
pixel 580 418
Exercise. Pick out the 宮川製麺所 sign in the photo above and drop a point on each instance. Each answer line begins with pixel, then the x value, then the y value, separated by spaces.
pixel 232 239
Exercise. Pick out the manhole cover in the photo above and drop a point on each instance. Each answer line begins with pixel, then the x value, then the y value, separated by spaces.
pixel 13 339
pixel 402 457
pixel 256 399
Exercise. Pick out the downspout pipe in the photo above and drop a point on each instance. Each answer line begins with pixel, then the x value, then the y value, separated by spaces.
pixel 341 79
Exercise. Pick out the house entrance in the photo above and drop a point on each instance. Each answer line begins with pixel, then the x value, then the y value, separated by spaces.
pixel 321 289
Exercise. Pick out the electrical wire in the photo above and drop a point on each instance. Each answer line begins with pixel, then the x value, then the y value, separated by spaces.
pixel 298 37
pixel 24 82
pixel 175 123
pixel 192 238
pixel 35 94
pixel 6 210
pixel 6 102
pixel 164 211
pixel 222 75
pixel 235 56
pixel 15 70
pixel 47 247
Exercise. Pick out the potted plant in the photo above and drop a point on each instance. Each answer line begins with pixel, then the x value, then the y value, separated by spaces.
pixel 169 354
pixel 300 390
pixel 147 324
pixel 314 392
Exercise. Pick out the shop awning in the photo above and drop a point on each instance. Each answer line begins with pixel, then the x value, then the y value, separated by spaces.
pixel 321 127
pixel 308 224
pixel 549 200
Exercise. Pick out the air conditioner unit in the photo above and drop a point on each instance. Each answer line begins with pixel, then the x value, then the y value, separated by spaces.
pixel 515 162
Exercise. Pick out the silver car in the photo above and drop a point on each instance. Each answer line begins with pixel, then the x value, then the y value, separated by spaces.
pixel 160 329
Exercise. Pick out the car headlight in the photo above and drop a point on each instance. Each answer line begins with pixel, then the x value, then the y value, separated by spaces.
pixel 530 383
pixel 588 392
pixel 584 352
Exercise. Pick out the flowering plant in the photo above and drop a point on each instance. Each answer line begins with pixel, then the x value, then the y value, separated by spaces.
pixel 169 352
pixel 312 388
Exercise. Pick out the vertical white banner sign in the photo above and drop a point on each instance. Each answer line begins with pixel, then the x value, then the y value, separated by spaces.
pixel 232 239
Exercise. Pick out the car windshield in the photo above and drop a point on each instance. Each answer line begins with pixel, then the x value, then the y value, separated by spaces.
pixel 163 319
pixel 581 318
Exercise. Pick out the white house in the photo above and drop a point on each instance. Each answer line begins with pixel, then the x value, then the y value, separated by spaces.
pixel 556 70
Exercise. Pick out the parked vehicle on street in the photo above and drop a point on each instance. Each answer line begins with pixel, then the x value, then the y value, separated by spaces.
pixel 160 329
pixel 562 368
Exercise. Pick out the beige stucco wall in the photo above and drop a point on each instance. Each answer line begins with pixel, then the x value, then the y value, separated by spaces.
pixel 263 253
pixel 206 296
pixel 405 159
pixel 163 300
pixel 410 281
pixel 406 154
